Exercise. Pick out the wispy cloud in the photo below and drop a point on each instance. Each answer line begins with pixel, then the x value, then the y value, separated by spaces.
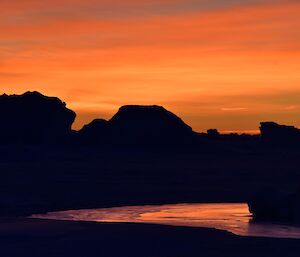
pixel 233 109
pixel 290 107
pixel 102 9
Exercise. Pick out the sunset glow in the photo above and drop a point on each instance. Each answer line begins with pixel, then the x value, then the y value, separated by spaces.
pixel 222 64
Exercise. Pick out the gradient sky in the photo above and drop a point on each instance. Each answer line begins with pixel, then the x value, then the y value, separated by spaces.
pixel 225 64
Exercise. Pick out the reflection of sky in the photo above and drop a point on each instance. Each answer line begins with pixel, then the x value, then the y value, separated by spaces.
pixel 231 217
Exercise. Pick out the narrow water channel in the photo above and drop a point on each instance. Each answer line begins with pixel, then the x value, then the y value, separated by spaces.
pixel 234 218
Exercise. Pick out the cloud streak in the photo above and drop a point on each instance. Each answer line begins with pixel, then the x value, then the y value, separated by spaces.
pixel 233 109
pixel 99 9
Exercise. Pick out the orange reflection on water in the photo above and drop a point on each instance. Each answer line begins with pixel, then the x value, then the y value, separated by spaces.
pixel 226 216
pixel 232 217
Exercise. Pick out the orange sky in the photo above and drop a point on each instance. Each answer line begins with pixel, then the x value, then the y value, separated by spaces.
pixel 225 64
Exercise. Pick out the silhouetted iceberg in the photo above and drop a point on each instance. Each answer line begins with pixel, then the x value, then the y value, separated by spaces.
pixel 34 118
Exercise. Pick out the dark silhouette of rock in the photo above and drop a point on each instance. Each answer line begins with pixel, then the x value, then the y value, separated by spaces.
pixel 95 132
pixel 213 133
pixel 276 134
pixel 275 205
pixel 42 178
pixel 34 118
pixel 148 124
pixel 139 125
